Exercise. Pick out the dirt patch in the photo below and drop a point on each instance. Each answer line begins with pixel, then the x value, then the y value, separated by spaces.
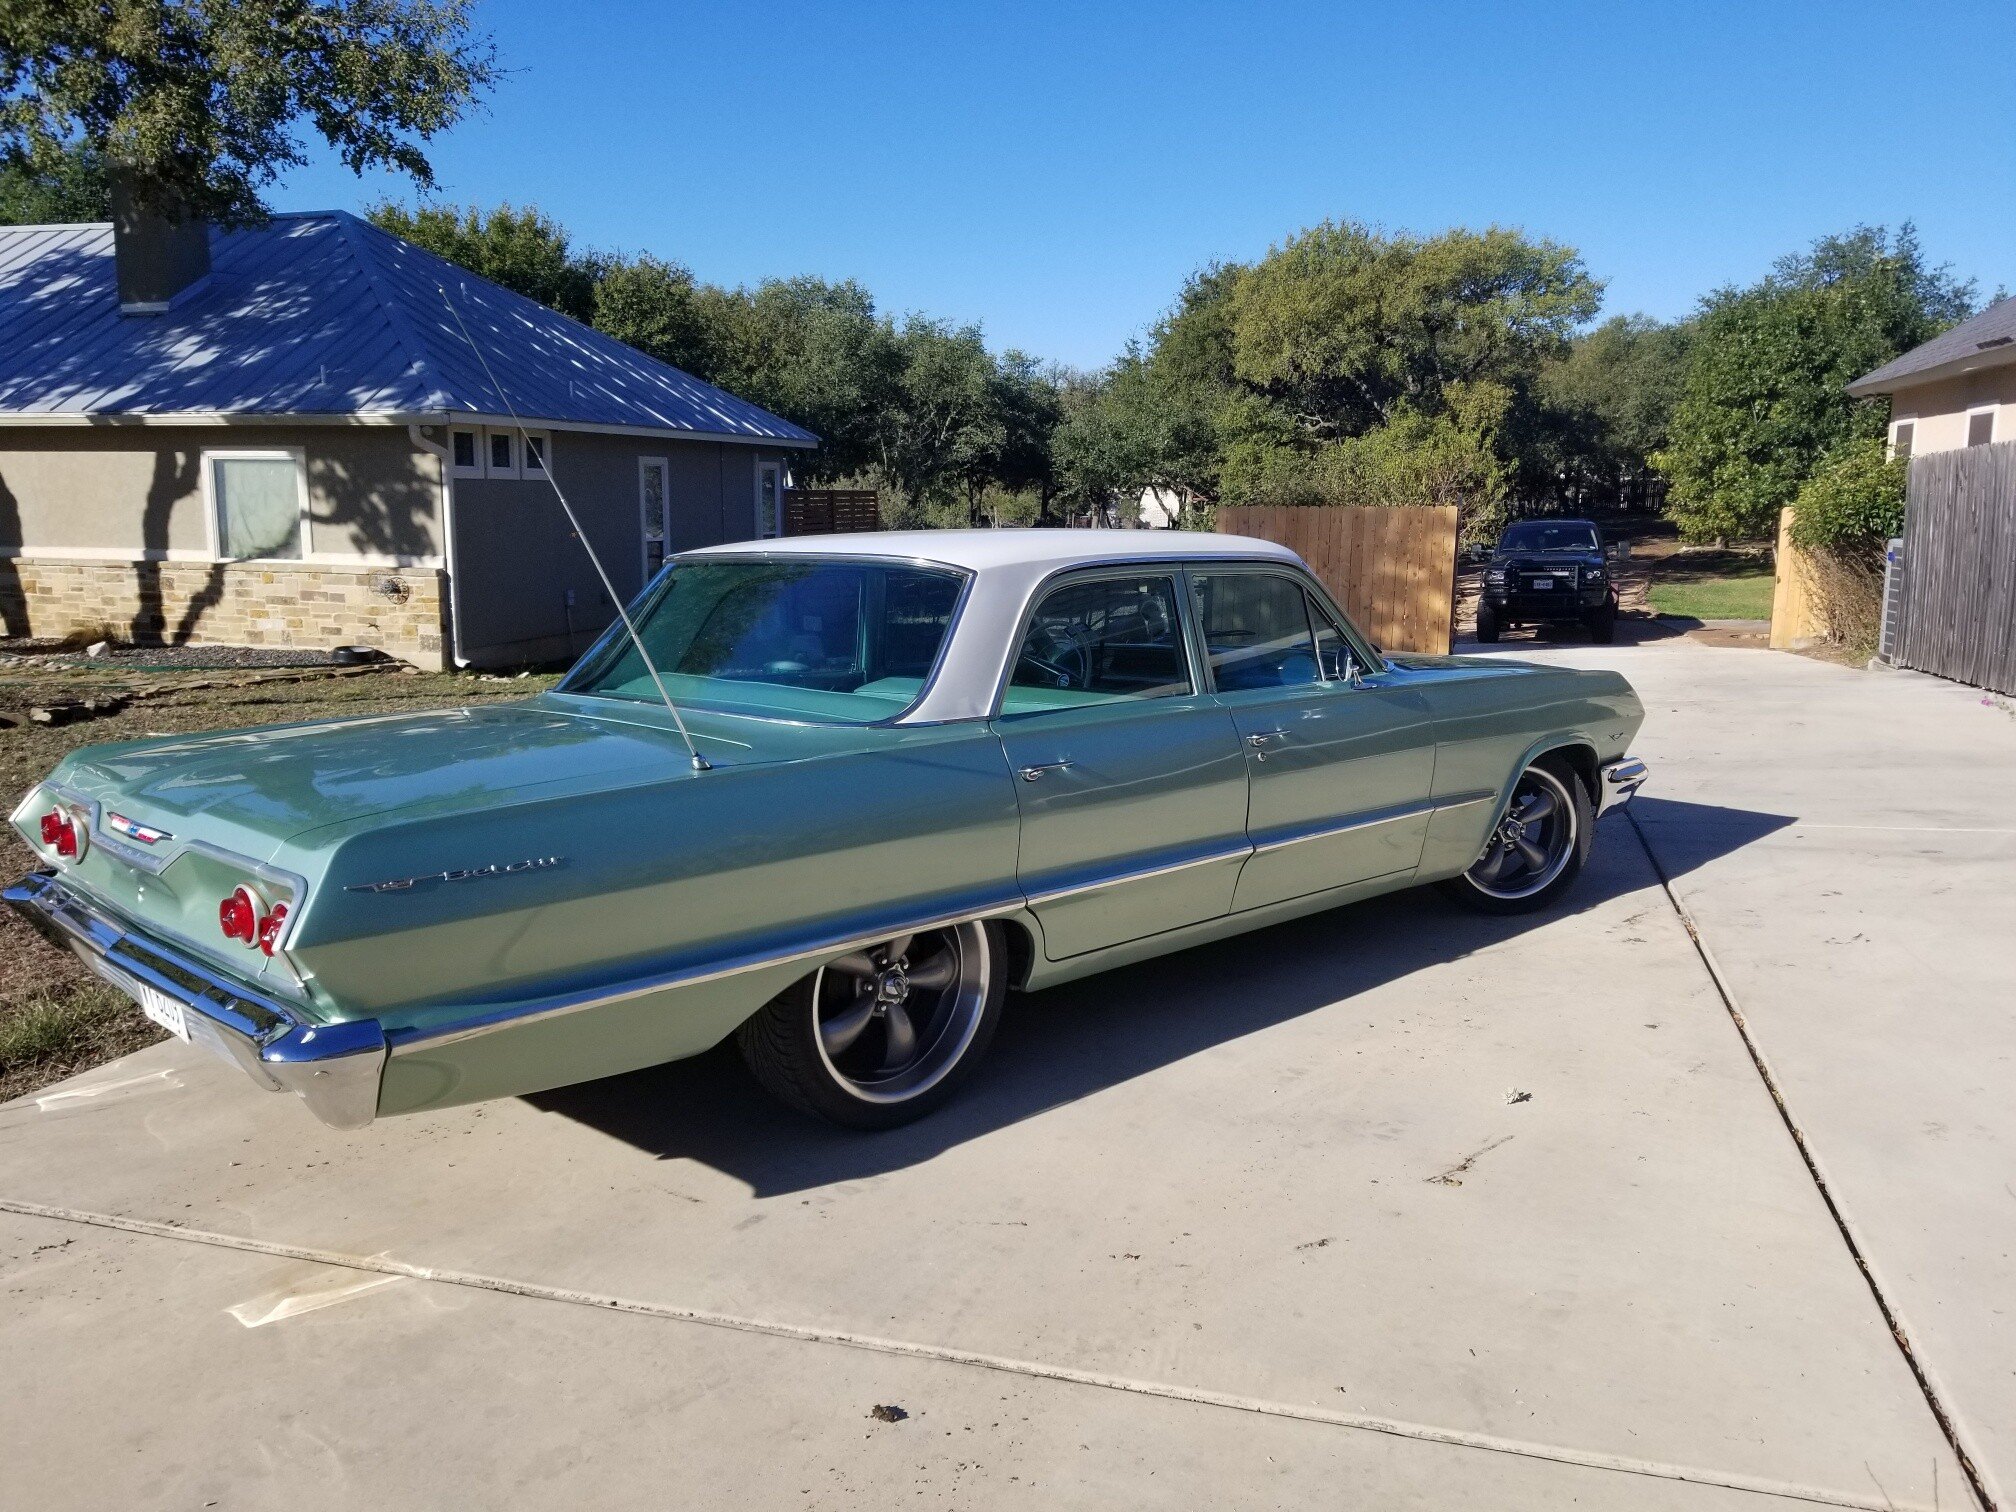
pixel 57 1018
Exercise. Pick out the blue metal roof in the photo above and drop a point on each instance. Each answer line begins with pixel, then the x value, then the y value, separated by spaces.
pixel 324 314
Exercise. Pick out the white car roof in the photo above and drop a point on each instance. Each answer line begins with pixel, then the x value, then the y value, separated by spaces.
pixel 979 550
pixel 1009 568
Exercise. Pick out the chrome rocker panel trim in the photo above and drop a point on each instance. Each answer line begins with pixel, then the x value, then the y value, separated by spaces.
pixel 334 1067
pixel 1620 780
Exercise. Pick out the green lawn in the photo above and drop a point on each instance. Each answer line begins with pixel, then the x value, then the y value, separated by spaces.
pixel 1728 591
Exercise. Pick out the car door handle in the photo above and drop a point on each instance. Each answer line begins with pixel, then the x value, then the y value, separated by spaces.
pixel 1035 773
pixel 1260 739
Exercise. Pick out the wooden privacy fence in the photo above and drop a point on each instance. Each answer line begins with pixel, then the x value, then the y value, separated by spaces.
pixel 1393 570
pixel 1957 614
pixel 825 511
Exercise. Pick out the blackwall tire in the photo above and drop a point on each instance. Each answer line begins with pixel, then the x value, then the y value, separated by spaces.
pixel 1503 881
pixel 829 1045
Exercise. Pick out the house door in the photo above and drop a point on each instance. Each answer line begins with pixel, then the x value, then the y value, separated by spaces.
pixel 769 500
pixel 652 487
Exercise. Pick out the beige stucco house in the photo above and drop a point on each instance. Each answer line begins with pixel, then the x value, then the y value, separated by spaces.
pixel 1958 389
pixel 312 433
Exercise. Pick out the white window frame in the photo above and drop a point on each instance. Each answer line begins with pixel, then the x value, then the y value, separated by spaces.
pixel 490 435
pixel 756 502
pixel 1897 423
pixel 525 468
pixel 664 466
pixel 1991 411
pixel 475 432
pixel 215 525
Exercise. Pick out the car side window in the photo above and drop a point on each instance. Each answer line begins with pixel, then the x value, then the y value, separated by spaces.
pixel 1098 641
pixel 1256 630
pixel 1334 654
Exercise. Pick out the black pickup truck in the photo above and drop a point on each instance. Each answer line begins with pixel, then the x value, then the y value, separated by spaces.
pixel 1548 572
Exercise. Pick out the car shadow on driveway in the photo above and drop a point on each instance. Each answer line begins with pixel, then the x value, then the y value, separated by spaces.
pixel 1081 1038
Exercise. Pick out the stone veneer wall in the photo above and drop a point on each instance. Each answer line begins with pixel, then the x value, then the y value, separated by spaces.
pixel 398 610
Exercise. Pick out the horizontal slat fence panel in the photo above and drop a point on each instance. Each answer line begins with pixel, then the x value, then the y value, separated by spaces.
pixel 1393 570
pixel 1958 612
pixel 826 511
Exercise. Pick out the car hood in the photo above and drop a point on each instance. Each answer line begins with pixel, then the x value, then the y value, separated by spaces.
pixel 1547 561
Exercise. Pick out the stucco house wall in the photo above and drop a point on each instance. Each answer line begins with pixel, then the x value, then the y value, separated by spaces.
pixel 1939 412
pixel 110 528
pixel 529 593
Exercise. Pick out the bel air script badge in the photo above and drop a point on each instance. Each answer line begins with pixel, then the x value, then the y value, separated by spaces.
pixel 468 874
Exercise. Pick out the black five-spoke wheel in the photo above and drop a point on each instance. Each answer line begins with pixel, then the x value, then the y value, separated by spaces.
pixel 880 1035
pixel 1538 845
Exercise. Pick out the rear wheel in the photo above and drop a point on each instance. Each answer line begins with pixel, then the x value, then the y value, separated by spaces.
pixel 1487 624
pixel 883 1035
pixel 1538 847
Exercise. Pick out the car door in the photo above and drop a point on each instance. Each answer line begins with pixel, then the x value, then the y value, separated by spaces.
pixel 1340 761
pixel 1129 776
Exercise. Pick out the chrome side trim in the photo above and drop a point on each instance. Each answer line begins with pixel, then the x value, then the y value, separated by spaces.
pixel 1325 832
pixel 538 1009
pixel 1056 894
pixel 334 1067
pixel 1620 780
pixel 406 1042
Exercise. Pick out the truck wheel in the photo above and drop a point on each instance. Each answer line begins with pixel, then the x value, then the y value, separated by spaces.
pixel 1487 624
pixel 1603 623
pixel 882 1035
pixel 1538 847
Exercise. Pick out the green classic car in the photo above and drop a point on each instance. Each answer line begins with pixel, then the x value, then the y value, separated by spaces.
pixel 860 788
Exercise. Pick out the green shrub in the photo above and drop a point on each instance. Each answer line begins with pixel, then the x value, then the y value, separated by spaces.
pixel 1851 505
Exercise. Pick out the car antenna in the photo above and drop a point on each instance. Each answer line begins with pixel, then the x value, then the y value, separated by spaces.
pixel 700 763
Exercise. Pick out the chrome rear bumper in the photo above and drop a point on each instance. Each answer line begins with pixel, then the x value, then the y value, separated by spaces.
pixel 334 1067
pixel 1620 780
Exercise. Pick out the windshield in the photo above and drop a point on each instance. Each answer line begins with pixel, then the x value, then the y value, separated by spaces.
pixel 1541 535
pixel 805 638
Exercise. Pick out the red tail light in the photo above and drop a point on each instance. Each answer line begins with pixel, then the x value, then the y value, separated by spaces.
pixel 52 826
pixel 241 917
pixel 66 840
pixel 269 932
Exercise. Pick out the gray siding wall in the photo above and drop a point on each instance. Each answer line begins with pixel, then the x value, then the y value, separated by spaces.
pixel 132 489
pixel 526 590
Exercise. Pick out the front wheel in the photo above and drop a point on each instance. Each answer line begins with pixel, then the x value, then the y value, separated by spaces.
pixel 1538 847
pixel 1487 624
pixel 1603 622
pixel 883 1035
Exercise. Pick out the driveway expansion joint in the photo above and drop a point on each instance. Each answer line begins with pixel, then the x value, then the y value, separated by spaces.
pixel 943 1354
pixel 1948 1425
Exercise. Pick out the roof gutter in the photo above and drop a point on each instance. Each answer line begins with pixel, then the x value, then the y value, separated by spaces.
pixel 38 420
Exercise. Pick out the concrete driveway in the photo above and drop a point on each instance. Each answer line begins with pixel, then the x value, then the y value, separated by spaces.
pixel 1395 1207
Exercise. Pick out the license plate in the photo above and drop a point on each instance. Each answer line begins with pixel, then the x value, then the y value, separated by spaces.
pixel 1541 582
pixel 155 1003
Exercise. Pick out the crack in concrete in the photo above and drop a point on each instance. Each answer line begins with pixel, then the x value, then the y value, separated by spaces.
pixel 1948 1426
pixel 1587 1459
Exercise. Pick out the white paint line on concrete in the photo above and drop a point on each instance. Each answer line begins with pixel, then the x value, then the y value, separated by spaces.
pixel 943 1354
pixel 1948 1426
pixel 309 1296
pixel 84 1094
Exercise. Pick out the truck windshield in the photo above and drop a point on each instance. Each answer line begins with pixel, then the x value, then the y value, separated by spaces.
pixel 799 638
pixel 1540 535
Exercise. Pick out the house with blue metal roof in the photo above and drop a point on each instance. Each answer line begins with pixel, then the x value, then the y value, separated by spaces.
pixel 313 433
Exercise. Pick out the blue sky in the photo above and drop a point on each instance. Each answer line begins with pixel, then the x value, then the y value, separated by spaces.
pixel 1054 171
